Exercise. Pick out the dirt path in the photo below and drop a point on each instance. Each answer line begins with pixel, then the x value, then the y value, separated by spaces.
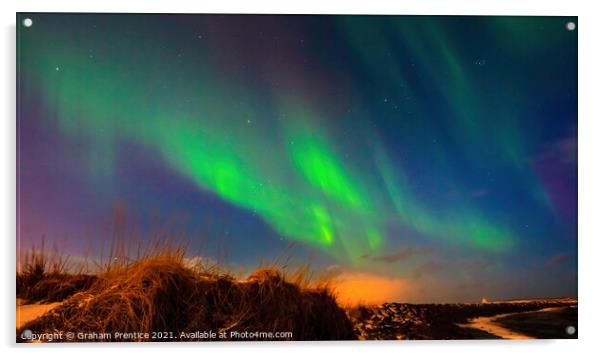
pixel 28 312
pixel 489 324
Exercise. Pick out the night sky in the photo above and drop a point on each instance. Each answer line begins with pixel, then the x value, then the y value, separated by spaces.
pixel 413 158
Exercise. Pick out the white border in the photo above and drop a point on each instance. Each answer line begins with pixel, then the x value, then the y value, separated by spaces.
pixel 426 7
pixel 590 174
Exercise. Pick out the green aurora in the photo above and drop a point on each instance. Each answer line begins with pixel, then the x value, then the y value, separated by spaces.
pixel 280 153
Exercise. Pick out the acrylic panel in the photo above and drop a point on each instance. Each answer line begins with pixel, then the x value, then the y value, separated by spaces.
pixel 190 177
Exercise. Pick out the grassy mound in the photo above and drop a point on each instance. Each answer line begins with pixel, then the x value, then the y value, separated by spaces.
pixel 161 294
pixel 55 287
pixel 42 281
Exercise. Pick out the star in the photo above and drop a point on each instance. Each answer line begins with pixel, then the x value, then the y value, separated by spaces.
pixel 480 62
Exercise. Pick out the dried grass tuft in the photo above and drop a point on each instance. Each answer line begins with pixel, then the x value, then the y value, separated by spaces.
pixel 160 293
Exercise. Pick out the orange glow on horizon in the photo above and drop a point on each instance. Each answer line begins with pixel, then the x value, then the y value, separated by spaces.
pixel 365 288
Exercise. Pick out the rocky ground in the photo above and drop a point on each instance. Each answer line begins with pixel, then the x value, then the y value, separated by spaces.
pixel 400 321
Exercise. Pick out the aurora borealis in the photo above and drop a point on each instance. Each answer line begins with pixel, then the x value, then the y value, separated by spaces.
pixel 437 151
